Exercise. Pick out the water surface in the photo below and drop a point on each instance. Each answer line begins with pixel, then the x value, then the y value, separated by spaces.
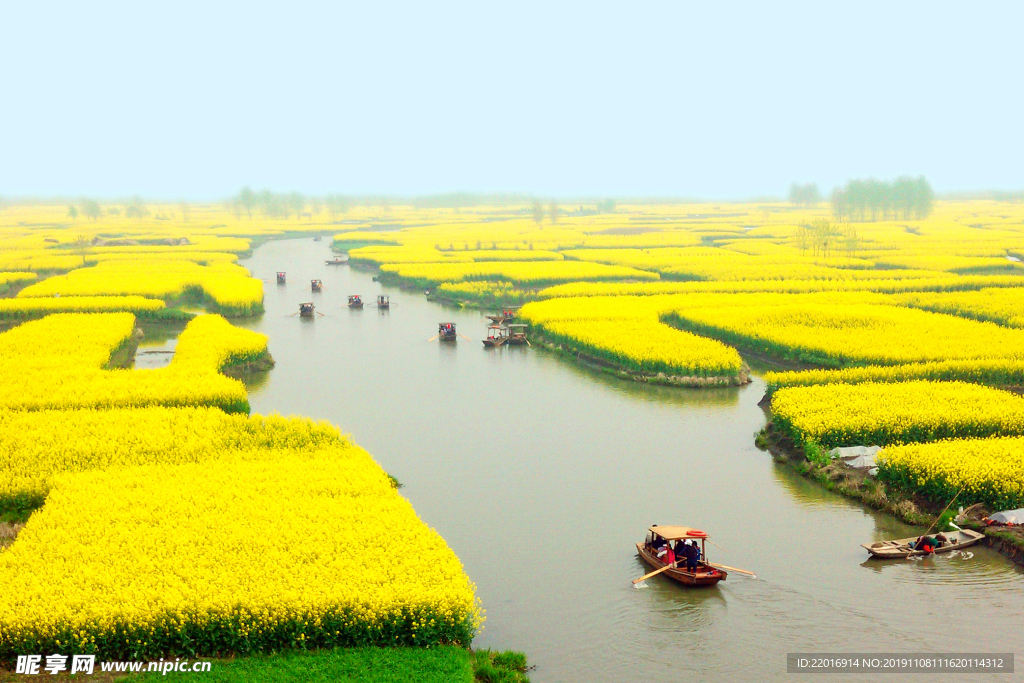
pixel 542 475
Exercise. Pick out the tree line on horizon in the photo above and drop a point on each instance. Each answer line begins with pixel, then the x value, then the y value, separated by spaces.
pixel 903 198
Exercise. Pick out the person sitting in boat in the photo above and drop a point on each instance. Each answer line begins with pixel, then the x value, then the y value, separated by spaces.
pixel 941 540
pixel 925 544
pixel 667 555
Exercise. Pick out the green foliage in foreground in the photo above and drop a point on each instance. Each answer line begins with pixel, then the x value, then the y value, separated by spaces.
pixel 445 664
pixel 342 665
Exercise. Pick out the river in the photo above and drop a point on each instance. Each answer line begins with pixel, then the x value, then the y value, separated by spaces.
pixel 541 475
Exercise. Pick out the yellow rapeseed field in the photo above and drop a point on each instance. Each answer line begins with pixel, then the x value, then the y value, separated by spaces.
pixel 230 555
pixel 880 414
pixel 989 471
pixel 58 362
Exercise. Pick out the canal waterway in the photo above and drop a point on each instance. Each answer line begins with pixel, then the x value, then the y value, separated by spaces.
pixel 542 475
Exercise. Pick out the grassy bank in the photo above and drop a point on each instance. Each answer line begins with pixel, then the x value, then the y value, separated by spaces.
pixel 446 664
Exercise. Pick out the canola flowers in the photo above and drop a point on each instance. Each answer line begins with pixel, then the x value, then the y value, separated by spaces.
pixel 628 332
pixel 989 471
pixel 522 273
pixel 230 556
pixel 849 330
pixel 31 308
pixel 882 414
pixel 58 362
pixel 228 285
pixel 36 446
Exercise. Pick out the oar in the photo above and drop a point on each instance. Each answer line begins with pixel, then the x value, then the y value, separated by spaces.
pixel 655 572
pixel 715 544
pixel 907 556
pixel 433 338
pixel 322 315
pixel 731 569
pixel 528 342
pixel 465 337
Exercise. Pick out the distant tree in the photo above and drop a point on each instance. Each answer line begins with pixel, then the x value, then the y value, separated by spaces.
pixel 297 202
pixel 881 199
pixel 336 204
pixel 315 206
pixel 247 200
pixel 184 208
pixel 91 209
pixel 72 212
pixel 925 197
pixel 825 236
pixel 81 245
pixel 606 206
pixel 553 212
pixel 805 195
pixel 136 208
pixel 538 213
pixel 804 237
pixel 850 236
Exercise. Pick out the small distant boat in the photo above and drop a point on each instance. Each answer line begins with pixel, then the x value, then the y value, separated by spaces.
pixel 900 548
pixel 506 315
pixel 704 575
pixel 316 285
pixel 517 334
pixel 336 261
pixel 280 278
pixel 306 309
pixel 355 301
pixel 317 238
pixel 496 336
pixel 446 332
pixel 383 301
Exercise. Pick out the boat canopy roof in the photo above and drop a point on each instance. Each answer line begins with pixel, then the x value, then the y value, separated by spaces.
pixel 519 325
pixel 674 533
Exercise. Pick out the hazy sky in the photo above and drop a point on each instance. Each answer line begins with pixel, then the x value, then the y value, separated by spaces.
pixel 712 99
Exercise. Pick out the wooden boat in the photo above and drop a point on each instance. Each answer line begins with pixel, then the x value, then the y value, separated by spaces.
pixel 446 332
pixel 307 309
pixel 316 285
pixel 517 334
pixel 900 548
pixel 355 301
pixel 280 278
pixel 336 261
pixel 506 315
pixel 705 574
pixel 383 301
pixel 496 336
pixel 317 238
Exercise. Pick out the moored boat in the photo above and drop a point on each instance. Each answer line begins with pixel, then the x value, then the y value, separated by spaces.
pixel 703 575
pixel 383 301
pixel 507 313
pixel 336 261
pixel 900 548
pixel 496 336
pixel 517 334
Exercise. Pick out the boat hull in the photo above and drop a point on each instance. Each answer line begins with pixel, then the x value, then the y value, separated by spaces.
pixel 704 576
pixel 355 305
pixel 491 343
pixel 448 337
pixel 899 549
